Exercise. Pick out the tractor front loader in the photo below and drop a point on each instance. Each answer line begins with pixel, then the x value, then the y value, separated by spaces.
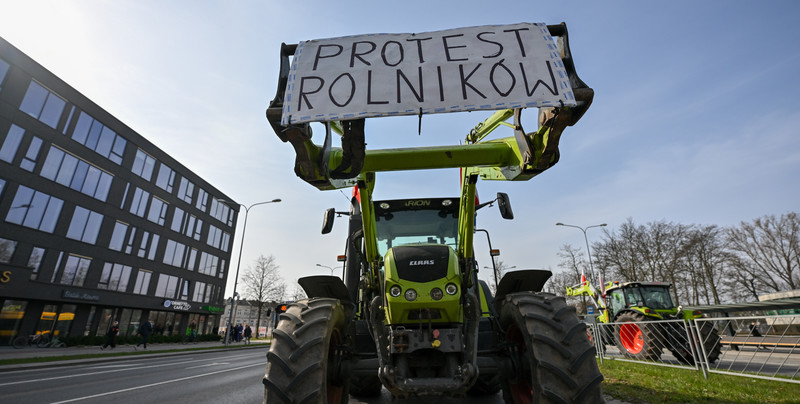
pixel 632 306
pixel 410 313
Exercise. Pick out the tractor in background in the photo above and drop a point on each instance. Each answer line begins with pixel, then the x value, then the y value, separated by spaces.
pixel 631 305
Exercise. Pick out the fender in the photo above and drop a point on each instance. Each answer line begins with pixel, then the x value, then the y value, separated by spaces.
pixel 527 280
pixel 324 286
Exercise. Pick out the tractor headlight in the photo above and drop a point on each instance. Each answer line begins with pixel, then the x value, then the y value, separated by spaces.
pixel 395 291
pixel 436 294
pixel 411 295
pixel 451 289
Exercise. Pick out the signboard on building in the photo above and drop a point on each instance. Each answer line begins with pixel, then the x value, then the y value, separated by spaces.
pixel 177 305
pixel 79 295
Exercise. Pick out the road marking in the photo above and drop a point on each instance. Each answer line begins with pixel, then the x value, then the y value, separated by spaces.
pixel 143 366
pixel 152 385
pixel 208 364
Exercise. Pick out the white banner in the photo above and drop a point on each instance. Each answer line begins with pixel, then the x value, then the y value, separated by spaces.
pixel 478 68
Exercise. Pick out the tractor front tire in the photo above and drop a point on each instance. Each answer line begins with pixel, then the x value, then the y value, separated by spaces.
pixel 304 359
pixel 636 339
pixel 553 360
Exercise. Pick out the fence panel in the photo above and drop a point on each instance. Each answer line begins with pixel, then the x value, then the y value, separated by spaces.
pixel 762 346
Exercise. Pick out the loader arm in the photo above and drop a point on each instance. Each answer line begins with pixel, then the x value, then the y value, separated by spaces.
pixel 514 158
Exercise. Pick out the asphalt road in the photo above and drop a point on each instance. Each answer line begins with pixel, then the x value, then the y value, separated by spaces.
pixel 228 377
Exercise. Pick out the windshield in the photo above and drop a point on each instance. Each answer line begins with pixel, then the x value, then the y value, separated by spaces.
pixel 654 297
pixel 428 221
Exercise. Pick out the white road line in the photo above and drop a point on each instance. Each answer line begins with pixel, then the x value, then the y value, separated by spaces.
pixel 207 365
pixel 143 366
pixel 151 385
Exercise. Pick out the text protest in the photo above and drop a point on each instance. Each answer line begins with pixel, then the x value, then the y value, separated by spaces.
pixel 477 68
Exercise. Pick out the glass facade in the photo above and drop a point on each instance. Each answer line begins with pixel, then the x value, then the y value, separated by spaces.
pixel 91 212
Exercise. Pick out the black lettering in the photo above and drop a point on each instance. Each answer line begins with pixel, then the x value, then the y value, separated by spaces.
pixel 519 38
pixel 464 81
pixel 447 48
pixel 352 89
pixel 320 56
pixel 420 96
pixel 530 91
pixel 419 46
pixel 356 55
pixel 491 78
pixel 441 83
pixel 301 95
pixel 398 52
pixel 369 90
pixel 499 45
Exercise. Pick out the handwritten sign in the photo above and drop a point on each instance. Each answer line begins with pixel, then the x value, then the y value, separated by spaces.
pixel 477 68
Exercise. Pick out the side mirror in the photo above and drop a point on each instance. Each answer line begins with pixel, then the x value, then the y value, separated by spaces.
pixel 327 221
pixel 505 206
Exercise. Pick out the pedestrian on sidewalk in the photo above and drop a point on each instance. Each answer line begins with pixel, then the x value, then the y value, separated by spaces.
pixel 111 336
pixel 247 333
pixel 144 330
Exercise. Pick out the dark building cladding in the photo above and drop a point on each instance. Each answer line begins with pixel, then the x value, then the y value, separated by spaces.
pixel 96 223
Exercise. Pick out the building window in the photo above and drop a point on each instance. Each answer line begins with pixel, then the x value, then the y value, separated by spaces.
pixel 202 199
pixel 191 259
pixel 208 264
pixel 42 104
pixel 98 137
pixel 143 165
pixel 220 211
pixel 214 236
pixel 35 261
pixel 74 272
pixel 34 209
pixel 186 190
pixel 114 277
pixel 198 228
pixel 158 211
pixel 139 204
pixel 173 255
pixel 199 291
pixel 148 246
pixel 70 171
pixel 142 284
pixel 166 178
pixel 11 143
pixel 29 160
pixel 167 285
pixel 3 71
pixel 85 225
pixel 7 248
pixel 118 237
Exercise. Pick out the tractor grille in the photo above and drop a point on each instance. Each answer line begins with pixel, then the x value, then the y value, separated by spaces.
pixel 421 263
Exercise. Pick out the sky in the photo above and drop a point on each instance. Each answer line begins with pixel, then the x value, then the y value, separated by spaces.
pixel 695 118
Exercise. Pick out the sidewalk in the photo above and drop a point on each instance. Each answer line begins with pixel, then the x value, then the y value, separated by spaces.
pixel 69 354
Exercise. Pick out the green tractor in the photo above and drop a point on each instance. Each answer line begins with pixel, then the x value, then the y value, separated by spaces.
pixel 631 305
pixel 410 313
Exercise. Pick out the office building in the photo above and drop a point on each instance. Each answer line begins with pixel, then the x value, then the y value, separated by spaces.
pixel 96 223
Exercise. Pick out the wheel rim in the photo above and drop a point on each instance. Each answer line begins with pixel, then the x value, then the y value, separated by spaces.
pixel 520 388
pixel 631 337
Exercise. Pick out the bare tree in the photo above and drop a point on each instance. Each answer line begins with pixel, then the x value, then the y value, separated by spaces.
pixel 263 283
pixel 768 250
pixel 707 261
pixel 298 294
pixel 617 255
pixel 502 268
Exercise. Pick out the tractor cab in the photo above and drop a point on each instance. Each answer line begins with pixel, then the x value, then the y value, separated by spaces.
pixel 652 299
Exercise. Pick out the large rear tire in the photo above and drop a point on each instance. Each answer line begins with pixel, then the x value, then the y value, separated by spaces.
pixel 553 360
pixel 304 360
pixel 710 339
pixel 636 339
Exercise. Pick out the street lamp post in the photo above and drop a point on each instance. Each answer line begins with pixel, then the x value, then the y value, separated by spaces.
pixel 325 266
pixel 583 229
pixel 239 263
